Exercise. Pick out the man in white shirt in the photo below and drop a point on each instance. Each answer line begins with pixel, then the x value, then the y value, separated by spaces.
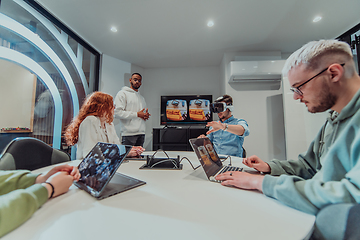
pixel 130 108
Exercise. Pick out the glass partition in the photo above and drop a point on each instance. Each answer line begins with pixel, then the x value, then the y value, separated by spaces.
pixel 65 70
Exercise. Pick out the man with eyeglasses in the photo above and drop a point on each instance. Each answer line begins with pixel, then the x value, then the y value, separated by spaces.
pixel 323 76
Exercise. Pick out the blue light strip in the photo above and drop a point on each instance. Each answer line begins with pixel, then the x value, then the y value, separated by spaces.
pixel 32 66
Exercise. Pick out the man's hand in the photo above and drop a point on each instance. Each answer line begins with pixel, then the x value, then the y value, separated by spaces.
pixel 241 180
pixel 215 126
pixel 256 163
pixel 201 136
pixel 136 151
pixel 144 115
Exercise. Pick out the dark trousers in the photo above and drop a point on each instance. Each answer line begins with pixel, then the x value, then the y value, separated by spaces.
pixel 136 140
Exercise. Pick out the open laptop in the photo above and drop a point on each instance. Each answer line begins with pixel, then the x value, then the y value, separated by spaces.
pixel 209 159
pixel 98 171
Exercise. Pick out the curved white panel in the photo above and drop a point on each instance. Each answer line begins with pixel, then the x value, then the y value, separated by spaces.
pixel 61 38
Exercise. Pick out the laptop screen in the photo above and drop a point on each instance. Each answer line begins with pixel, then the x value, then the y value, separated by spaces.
pixel 207 155
pixel 101 163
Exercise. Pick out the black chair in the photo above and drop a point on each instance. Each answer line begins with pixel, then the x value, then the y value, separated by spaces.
pixel 30 153
pixel 244 153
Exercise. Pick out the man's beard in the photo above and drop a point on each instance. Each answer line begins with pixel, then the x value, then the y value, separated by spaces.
pixel 326 100
pixel 134 87
pixel 224 116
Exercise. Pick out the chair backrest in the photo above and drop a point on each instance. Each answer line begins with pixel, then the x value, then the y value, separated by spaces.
pixel 30 153
pixel 244 153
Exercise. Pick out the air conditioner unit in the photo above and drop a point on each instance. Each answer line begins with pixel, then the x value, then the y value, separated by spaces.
pixel 260 71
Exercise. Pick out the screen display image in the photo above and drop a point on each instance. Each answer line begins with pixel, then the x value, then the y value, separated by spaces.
pixel 204 155
pixel 100 164
pixel 185 109
pixel 176 110
pixel 209 159
pixel 199 109
pixel 211 152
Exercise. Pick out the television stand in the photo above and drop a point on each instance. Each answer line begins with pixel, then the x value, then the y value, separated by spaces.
pixel 175 138
pixel 166 126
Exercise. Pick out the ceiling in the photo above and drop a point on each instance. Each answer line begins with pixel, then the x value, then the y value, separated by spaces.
pixel 174 33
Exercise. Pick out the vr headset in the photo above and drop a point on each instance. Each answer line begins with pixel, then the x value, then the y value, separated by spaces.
pixel 219 107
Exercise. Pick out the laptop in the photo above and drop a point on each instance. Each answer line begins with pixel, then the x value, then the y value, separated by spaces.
pixel 209 159
pixel 98 171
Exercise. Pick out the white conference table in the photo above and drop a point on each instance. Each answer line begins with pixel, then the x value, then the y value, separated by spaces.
pixel 174 204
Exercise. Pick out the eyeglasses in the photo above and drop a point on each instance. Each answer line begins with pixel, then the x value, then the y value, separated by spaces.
pixel 297 89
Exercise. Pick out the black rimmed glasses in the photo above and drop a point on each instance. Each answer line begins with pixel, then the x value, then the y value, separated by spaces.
pixel 297 89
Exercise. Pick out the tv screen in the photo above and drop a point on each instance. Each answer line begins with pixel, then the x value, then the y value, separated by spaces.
pixel 185 109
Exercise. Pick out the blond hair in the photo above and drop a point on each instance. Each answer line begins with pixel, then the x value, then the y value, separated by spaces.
pixel 313 52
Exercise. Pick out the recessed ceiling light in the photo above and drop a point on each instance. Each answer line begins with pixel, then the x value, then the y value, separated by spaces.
pixel 317 18
pixel 113 29
pixel 210 23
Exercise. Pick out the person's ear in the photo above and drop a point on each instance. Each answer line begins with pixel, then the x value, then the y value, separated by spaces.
pixel 336 71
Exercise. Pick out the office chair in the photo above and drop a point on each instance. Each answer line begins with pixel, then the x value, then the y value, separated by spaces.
pixel 244 153
pixel 30 153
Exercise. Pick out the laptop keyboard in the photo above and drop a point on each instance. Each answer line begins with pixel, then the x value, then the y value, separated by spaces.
pixel 230 169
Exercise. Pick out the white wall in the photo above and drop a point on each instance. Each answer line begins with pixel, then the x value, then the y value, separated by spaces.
pixel 16 79
pixel 113 76
pixel 114 73
pixel 301 127
pixel 252 105
pixel 260 104
pixel 157 82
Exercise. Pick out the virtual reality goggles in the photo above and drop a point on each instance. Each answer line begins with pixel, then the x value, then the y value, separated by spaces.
pixel 219 107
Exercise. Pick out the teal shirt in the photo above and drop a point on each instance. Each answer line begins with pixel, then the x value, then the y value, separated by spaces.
pixel 324 174
pixel 19 198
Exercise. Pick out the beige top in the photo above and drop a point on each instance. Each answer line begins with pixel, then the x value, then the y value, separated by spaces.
pixel 91 132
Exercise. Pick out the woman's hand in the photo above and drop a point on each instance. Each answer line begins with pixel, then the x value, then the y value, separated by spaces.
pixel 61 181
pixel 71 170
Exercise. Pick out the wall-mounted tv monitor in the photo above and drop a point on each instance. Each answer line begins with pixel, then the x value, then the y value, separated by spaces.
pixel 185 109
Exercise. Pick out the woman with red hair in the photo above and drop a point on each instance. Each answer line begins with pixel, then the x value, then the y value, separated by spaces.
pixel 93 124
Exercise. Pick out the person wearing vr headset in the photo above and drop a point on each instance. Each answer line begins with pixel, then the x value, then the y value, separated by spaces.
pixel 228 134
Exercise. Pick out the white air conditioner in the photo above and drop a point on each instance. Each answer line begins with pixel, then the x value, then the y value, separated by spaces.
pixel 260 71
